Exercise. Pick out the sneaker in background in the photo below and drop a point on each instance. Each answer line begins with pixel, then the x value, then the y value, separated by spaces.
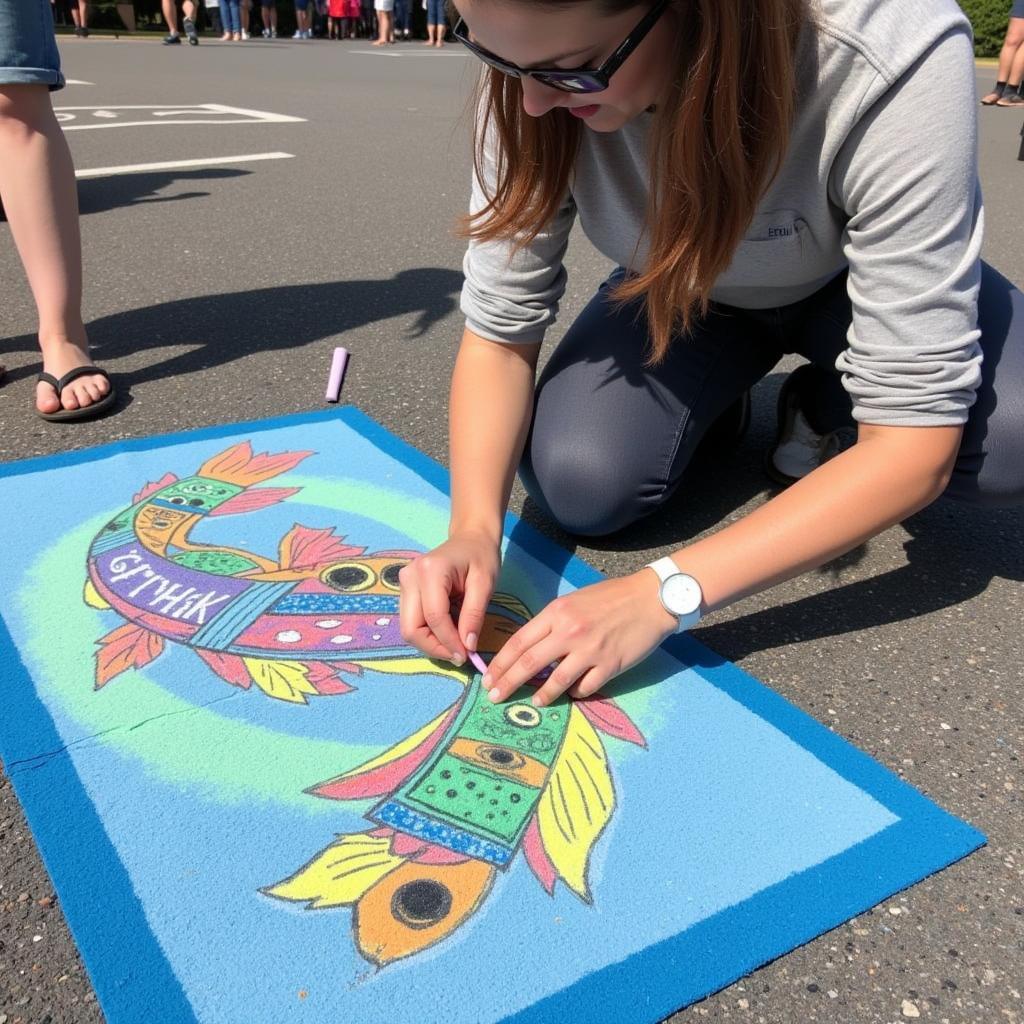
pixel 190 30
pixel 799 447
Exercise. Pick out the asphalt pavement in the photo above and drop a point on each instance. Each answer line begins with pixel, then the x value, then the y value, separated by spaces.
pixel 215 293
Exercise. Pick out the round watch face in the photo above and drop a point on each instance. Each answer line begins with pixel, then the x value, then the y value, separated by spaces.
pixel 681 594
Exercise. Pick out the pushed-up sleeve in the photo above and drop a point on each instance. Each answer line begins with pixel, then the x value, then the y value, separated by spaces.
pixel 512 295
pixel 907 179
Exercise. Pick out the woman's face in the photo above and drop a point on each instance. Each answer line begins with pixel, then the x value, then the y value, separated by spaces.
pixel 572 36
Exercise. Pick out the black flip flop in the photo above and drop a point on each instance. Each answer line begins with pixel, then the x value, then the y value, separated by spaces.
pixel 87 412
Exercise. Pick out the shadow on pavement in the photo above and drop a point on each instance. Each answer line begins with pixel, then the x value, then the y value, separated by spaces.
pixel 218 329
pixel 97 195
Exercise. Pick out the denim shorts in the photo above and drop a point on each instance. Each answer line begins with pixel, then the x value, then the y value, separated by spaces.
pixel 1018 9
pixel 28 47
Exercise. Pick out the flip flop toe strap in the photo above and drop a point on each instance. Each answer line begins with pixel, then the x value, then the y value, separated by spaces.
pixel 70 376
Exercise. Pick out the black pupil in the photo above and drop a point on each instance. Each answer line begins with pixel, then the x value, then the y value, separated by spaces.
pixel 500 756
pixel 196 501
pixel 390 575
pixel 346 577
pixel 421 903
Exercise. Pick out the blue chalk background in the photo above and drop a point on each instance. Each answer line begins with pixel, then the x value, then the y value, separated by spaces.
pixel 744 829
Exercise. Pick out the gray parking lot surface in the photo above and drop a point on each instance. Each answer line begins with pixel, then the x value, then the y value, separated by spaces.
pixel 215 292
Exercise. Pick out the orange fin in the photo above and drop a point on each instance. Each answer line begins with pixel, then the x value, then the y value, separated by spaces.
pixel 238 465
pixel 128 646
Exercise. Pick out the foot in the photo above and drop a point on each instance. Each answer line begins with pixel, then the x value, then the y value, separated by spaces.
pixel 172 40
pixel 992 98
pixel 190 30
pixel 59 357
pixel 1011 98
pixel 226 38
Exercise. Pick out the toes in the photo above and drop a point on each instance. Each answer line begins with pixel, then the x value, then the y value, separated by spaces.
pixel 46 398
pixel 69 399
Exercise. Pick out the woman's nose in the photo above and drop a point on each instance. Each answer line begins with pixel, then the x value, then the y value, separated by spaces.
pixel 538 99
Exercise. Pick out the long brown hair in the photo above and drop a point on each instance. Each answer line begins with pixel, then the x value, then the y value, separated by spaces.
pixel 718 139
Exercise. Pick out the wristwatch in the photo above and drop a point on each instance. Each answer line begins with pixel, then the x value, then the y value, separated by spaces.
pixel 680 593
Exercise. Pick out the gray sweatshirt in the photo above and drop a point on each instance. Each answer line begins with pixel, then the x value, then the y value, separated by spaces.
pixel 880 177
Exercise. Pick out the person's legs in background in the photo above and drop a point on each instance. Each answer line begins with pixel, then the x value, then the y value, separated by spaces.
pixel 1011 62
pixel 80 17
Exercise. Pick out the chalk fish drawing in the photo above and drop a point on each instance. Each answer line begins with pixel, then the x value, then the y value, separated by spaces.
pixel 458 800
pixel 297 626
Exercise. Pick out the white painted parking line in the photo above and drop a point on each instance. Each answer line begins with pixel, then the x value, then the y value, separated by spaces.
pixel 83 118
pixel 76 81
pixel 170 165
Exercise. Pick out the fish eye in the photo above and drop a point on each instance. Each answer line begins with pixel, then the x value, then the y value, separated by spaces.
pixel 525 716
pixel 348 577
pixel 177 500
pixel 421 903
pixel 389 575
pixel 500 757
pixel 196 502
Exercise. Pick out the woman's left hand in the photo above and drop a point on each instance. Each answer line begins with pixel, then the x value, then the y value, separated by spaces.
pixel 593 634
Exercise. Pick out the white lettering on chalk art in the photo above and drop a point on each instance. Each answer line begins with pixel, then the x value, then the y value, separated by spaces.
pixel 160 593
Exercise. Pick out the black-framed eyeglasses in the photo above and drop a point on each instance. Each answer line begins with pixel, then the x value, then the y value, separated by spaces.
pixel 570 79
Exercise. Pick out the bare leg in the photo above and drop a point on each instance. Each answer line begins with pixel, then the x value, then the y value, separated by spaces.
pixel 170 16
pixel 37 179
pixel 83 13
pixel 1017 67
pixel 1009 57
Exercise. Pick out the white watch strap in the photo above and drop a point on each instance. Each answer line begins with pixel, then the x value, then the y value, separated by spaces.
pixel 664 567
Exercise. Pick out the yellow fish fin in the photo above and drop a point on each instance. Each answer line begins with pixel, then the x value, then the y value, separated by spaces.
pixel 285 680
pixel 576 804
pixel 92 598
pixel 341 874
pixel 415 667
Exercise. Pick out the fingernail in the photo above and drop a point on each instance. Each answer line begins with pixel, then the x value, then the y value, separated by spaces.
pixel 485 681
pixel 536 701
pixel 471 642
pixel 495 695
pixel 458 660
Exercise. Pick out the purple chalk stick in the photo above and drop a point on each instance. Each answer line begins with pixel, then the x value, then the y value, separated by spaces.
pixel 478 663
pixel 338 364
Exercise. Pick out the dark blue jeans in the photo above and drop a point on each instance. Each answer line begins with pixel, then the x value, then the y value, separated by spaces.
pixel 403 15
pixel 611 438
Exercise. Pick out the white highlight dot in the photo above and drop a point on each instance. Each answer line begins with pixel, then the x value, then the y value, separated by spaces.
pixel 376 636
pixel 289 636
pixel 342 638
pixel 383 622
pixel 329 623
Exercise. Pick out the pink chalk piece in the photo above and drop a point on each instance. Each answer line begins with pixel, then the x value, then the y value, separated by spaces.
pixel 478 663
pixel 339 363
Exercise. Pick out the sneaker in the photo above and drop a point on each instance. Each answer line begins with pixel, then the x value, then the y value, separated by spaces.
pixel 245 34
pixel 799 449
pixel 298 34
pixel 265 33
pixel 273 33
pixel 172 40
pixel 190 30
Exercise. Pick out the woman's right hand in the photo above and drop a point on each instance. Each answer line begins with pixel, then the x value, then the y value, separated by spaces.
pixel 463 570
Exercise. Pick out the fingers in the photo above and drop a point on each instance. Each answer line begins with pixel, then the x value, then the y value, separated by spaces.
pixel 572 676
pixel 414 627
pixel 528 651
pixel 479 587
pixel 435 595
